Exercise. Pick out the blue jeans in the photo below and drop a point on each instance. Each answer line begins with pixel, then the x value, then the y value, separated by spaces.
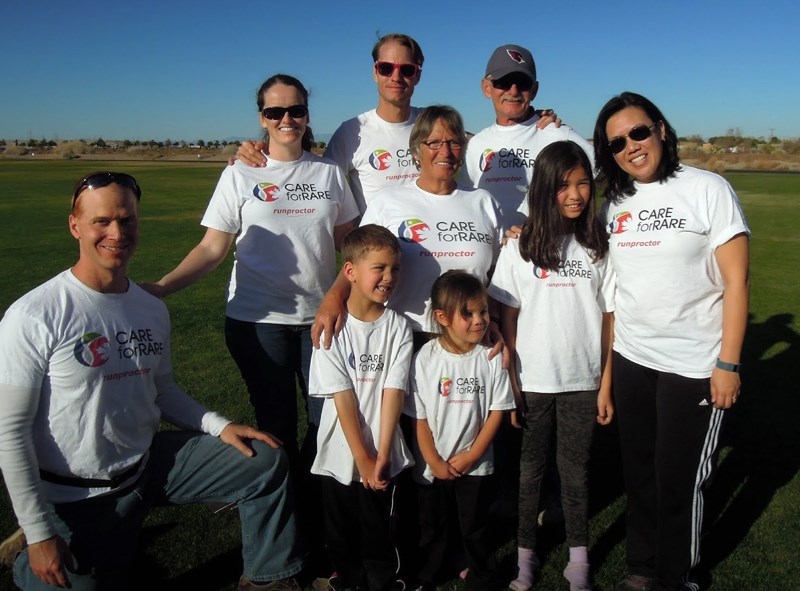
pixel 183 467
pixel 272 358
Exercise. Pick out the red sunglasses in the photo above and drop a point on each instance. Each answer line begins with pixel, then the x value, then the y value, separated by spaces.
pixel 386 69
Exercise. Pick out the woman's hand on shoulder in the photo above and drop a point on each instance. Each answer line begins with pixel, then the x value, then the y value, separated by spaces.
pixel 328 321
pixel 494 340
pixel 512 233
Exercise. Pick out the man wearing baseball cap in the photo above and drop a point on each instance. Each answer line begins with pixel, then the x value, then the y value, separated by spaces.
pixel 500 158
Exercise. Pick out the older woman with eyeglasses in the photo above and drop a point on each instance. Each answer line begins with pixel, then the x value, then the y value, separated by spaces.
pixel 440 225
pixel 679 248
pixel 287 220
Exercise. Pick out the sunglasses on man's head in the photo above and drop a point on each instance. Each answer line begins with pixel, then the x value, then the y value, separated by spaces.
pixel 98 180
pixel 522 82
pixel 277 113
pixel 386 69
pixel 637 134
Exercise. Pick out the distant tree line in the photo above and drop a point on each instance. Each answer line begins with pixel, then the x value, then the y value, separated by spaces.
pixel 103 144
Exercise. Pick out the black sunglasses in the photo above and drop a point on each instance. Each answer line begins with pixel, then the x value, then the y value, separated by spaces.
pixel 637 134
pixel 98 180
pixel 522 82
pixel 277 113
pixel 386 69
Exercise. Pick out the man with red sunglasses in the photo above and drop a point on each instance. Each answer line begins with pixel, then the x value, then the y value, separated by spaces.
pixel 500 158
pixel 85 379
pixel 372 148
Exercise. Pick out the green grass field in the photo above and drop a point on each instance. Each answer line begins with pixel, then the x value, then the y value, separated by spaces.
pixel 753 505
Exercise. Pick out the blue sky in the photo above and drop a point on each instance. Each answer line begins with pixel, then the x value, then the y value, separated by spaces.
pixel 189 70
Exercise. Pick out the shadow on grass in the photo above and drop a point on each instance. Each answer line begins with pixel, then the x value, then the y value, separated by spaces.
pixel 762 435
pixel 218 572
pixel 761 454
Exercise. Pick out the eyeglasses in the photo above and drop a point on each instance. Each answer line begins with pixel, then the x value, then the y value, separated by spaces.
pixel 637 134
pixel 386 69
pixel 436 145
pixel 98 180
pixel 277 113
pixel 521 81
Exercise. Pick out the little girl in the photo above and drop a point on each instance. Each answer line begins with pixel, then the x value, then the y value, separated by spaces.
pixel 459 396
pixel 557 303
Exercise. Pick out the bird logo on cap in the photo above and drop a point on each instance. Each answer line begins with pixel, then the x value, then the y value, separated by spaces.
pixel 515 55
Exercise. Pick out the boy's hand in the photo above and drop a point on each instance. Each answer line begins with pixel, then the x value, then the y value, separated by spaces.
pixel 462 462
pixel 366 469
pixel 444 471
pixel 380 476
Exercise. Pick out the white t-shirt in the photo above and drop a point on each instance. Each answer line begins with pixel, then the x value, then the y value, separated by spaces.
pixel 669 289
pixel 283 217
pixel 560 316
pixel 456 393
pixel 365 357
pixel 373 153
pixel 436 233
pixel 97 373
pixel 500 159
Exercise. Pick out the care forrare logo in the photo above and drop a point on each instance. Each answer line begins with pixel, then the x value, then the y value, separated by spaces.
pixel 412 230
pixel 379 159
pixel 540 272
pixel 352 359
pixel 92 349
pixel 445 385
pixel 486 160
pixel 266 192
pixel 620 223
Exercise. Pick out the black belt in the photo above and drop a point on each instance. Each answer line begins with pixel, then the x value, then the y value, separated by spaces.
pixel 91 482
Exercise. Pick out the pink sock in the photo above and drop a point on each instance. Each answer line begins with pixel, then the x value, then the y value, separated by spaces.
pixel 526 563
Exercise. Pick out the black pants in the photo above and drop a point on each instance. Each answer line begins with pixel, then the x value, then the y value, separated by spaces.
pixel 359 534
pixel 574 415
pixel 471 497
pixel 669 432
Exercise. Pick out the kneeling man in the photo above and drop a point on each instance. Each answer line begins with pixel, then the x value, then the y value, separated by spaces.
pixel 85 378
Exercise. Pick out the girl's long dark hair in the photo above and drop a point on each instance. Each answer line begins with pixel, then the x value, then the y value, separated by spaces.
pixel 542 235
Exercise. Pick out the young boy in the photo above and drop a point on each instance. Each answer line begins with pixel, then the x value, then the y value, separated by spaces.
pixel 359 446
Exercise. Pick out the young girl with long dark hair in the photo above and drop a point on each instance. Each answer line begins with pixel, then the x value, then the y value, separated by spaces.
pixel 557 297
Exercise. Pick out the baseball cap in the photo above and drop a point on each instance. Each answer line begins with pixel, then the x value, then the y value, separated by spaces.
pixel 508 59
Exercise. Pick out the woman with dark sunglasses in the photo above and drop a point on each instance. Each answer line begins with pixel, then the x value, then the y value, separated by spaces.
pixel 679 248
pixel 287 220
